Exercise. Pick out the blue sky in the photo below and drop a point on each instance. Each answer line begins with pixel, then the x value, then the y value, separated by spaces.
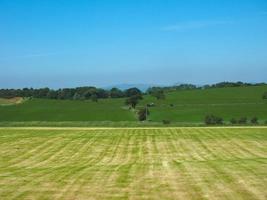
pixel 61 43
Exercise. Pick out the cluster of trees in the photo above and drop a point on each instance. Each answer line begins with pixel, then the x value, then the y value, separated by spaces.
pixel 232 84
pixel 217 85
pixel 244 120
pixel 133 95
pixel 95 93
pixel 79 93
pixel 173 88
pixel 156 92
pixel 143 114
pixel 213 120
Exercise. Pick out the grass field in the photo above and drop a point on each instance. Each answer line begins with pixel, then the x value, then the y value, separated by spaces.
pixel 189 106
pixel 193 105
pixel 132 163
pixel 11 101
pixel 67 110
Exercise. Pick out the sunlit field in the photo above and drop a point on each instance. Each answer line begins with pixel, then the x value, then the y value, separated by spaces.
pixel 188 106
pixel 133 163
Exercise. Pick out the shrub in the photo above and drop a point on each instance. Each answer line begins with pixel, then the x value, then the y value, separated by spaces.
pixel 133 100
pixel 142 114
pixel 254 120
pixel 156 92
pixel 151 105
pixel 233 121
pixel 212 120
pixel 165 121
pixel 94 98
pixel 242 120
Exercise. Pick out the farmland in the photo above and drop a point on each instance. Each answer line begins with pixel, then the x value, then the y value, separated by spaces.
pixel 189 106
pixel 12 101
pixel 133 163
pixel 67 110
pixel 193 105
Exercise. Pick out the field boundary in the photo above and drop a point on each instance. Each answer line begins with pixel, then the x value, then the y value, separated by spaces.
pixel 130 128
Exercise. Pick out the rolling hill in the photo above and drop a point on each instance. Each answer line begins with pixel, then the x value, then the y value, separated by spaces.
pixel 188 106
pixel 193 105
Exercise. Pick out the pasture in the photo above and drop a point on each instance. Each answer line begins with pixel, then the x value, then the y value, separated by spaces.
pixel 193 105
pixel 189 106
pixel 67 110
pixel 133 163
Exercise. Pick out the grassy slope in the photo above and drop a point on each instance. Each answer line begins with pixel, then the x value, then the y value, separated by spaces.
pixel 189 106
pixel 12 101
pixel 65 110
pixel 192 106
pixel 181 163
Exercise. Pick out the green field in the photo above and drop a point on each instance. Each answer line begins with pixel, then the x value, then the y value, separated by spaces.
pixel 67 110
pixel 176 163
pixel 189 106
pixel 193 105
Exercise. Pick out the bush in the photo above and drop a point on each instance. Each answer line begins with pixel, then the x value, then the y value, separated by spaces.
pixel 242 120
pixel 142 114
pixel 133 100
pixel 94 98
pixel 264 96
pixel 254 120
pixel 233 121
pixel 164 121
pixel 212 120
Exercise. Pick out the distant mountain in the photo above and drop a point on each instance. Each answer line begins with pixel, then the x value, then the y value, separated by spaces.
pixel 142 87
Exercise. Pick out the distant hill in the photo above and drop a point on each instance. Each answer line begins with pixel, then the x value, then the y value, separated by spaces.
pixel 192 105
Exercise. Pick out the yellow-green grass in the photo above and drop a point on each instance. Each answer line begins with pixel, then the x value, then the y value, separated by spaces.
pixel 11 101
pixel 133 163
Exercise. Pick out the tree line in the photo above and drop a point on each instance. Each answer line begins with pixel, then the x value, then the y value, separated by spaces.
pixel 83 93
pixel 192 86
pixel 216 120
pixel 79 93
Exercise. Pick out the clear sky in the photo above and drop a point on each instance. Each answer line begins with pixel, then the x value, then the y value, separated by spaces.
pixel 68 43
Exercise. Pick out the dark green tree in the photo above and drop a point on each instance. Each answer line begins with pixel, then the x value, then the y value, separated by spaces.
pixel 159 94
pixel 94 98
pixel 254 120
pixel 233 121
pixel 133 100
pixel 142 114
pixel 132 92
pixel 52 94
pixel 116 93
pixel 212 120
pixel 242 120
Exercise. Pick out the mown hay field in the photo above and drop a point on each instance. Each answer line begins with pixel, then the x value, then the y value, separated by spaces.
pixel 133 163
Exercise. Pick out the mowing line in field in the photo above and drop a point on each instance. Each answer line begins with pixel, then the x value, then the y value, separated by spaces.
pixel 128 163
